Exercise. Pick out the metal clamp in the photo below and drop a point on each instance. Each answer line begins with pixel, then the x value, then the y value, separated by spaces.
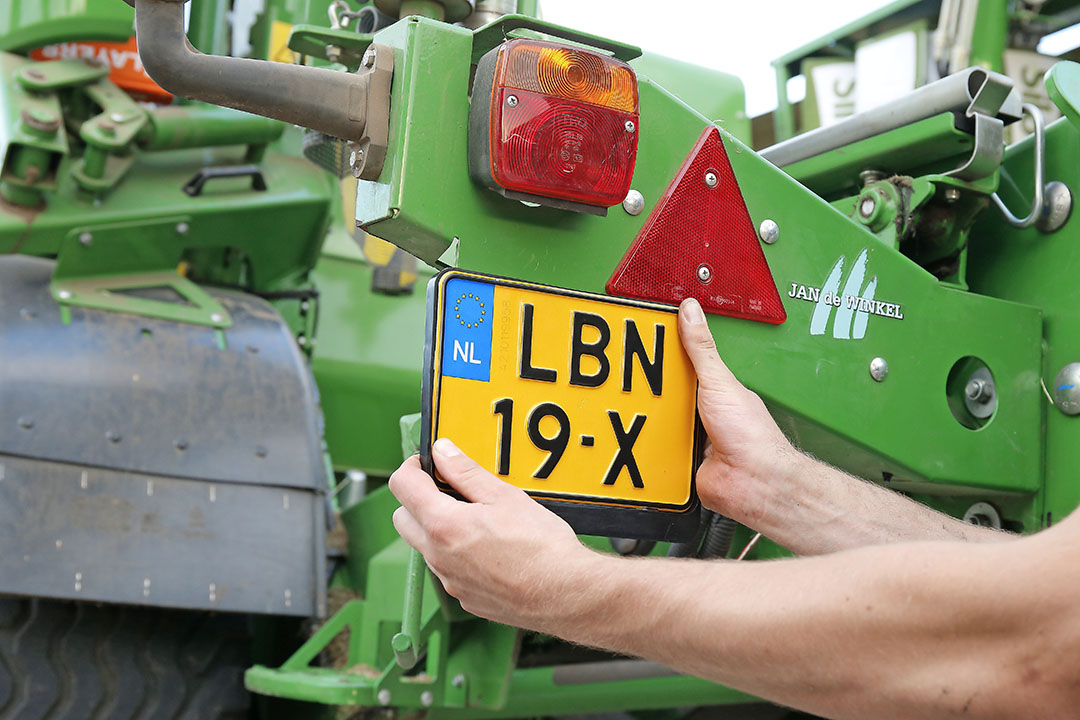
pixel 1040 161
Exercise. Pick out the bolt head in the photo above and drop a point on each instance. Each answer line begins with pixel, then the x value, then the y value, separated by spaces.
pixel 978 390
pixel 384 697
pixel 112 436
pixel 458 681
pixel 629 125
pixel 512 100
pixel 25 423
pixel 86 238
pixel 427 698
pixel 41 120
pixel 879 369
pixel 711 180
pixel 633 203
pixel 769 231
pixel 217 318
pixel 704 273
pixel 118 117
pixel 182 228
pixel 952 194
pixel 867 206
pixel 64 294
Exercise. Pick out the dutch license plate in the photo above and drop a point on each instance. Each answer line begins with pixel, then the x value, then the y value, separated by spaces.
pixel 585 401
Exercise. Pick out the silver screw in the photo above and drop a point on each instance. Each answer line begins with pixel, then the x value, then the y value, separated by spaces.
pixel 64 294
pixel 369 58
pixel 952 194
pixel 704 274
pixel 879 369
pixel 356 162
pixel 427 698
pixel 78 582
pixel 217 318
pixel 85 238
pixel 629 125
pixel 182 228
pixel 711 180
pixel 384 697
pixel 867 206
pixel 458 681
pixel 511 100
pixel 769 231
pixel 301 340
pixel 633 203
pixel 978 390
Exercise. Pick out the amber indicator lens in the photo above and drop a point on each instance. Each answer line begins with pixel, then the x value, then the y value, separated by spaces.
pixel 564 123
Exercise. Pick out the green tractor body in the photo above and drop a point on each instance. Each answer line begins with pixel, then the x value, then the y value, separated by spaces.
pixel 213 330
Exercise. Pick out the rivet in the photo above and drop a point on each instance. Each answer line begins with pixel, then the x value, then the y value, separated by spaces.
pixel 213 592
pixel 288 598
pixel 704 274
pixel 879 369
pixel 301 340
pixel 511 100
pixel 217 318
pixel 25 423
pixel 633 203
pixel 84 480
pixel 769 231
pixel 260 451
pixel 384 697
pixel 112 436
pixel 458 681
pixel 629 125
pixel 64 294
pixel 182 228
pixel 59 544
pixel 427 698
pixel 146 587
pixel 711 180
pixel 85 238
pixel 78 582
pixel 180 444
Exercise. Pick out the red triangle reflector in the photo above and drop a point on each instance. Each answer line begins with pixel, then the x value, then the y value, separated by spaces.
pixel 699 242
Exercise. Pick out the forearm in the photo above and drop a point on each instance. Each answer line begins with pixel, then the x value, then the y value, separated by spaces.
pixel 812 508
pixel 908 631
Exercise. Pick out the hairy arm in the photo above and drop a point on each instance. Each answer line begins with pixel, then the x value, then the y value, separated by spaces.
pixel 753 474
pixel 906 630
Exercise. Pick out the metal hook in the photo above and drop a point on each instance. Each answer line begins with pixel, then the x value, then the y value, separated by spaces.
pixel 1040 158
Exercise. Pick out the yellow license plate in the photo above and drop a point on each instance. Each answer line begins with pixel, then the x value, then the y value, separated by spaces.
pixel 585 401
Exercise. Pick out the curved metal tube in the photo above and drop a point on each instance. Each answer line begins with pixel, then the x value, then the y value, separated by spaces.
pixel 967 91
pixel 1040 184
pixel 332 102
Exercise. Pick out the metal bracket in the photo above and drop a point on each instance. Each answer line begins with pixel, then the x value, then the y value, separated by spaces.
pixel 1037 204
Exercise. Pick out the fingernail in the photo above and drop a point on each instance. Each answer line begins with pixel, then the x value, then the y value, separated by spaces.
pixel 446 448
pixel 691 310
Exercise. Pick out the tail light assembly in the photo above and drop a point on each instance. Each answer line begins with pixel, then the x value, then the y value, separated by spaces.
pixel 554 124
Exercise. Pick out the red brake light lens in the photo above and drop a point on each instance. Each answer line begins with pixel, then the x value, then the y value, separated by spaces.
pixel 562 123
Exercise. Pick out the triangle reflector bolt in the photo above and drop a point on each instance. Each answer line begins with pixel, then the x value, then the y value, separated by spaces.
pixel 699 242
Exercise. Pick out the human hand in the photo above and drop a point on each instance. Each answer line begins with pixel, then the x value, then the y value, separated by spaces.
pixel 503 555
pixel 747 457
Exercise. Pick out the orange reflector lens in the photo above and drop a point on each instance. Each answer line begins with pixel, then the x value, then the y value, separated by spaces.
pixel 562 124
pixel 567 72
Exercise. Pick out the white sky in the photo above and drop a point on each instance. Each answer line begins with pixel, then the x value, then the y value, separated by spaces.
pixel 737 36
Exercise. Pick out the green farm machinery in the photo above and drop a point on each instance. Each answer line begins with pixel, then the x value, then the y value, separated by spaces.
pixel 213 320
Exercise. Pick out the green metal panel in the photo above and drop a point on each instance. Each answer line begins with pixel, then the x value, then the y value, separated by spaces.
pixel 28 24
pixel 367 364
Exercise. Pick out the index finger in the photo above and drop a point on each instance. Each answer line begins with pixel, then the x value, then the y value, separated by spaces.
pixel 417 492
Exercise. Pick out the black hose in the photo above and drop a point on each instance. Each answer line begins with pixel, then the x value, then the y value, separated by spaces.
pixel 718 537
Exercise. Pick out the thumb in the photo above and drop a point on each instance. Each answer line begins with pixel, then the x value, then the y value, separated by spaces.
pixel 714 377
pixel 466 476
